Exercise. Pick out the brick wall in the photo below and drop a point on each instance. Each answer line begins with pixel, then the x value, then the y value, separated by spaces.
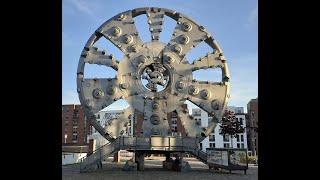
pixel 74 125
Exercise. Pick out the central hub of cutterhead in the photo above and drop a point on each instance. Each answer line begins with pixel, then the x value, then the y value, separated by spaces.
pixel 155 77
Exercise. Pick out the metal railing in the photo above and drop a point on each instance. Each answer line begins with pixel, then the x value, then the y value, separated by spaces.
pixel 182 144
pixel 96 157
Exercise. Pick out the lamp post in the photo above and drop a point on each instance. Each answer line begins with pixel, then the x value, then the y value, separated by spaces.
pixel 65 138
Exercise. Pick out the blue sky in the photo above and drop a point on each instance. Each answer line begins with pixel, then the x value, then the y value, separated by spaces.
pixel 233 23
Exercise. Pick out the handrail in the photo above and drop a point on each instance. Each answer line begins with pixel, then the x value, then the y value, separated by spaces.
pixel 186 144
pixel 94 155
pixel 96 150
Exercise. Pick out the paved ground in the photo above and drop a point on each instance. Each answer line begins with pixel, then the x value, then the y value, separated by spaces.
pixel 153 170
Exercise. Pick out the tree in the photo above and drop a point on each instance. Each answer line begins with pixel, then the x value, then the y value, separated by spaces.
pixel 230 125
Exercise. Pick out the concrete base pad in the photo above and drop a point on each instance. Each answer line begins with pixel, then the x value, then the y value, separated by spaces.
pixel 130 166
pixel 182 166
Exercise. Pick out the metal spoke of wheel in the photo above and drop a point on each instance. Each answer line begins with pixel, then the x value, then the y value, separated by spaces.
pixel 93 56
pixel 99 93
pixel 211 60
pixel 208 96
pixel 155 21
pixel 186 36
pixel 122 32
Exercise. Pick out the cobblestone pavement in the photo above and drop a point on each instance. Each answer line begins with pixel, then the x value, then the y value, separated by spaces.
pixel 153 170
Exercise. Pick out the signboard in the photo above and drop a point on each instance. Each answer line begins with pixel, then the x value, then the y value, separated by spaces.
pixel 231 159
pixel 218 157
pixel 238 158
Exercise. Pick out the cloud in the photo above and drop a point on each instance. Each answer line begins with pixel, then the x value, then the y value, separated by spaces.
pixel 70 97
pixel 83 6
pixel 252 19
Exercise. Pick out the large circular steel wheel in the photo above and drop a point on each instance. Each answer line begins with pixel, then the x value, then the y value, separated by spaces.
pixel 168 74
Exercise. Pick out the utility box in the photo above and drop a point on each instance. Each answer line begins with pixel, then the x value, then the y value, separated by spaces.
pixel 227 158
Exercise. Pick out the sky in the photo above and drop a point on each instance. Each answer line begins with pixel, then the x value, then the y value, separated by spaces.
pixel 233 23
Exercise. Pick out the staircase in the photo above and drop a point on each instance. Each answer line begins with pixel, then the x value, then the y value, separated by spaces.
pixel 200 155
pixel 174 144
pixel 92 161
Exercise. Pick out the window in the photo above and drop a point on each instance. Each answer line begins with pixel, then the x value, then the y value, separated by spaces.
pixel 75 116
pixel 198 123
pixel 74 122
pixel 226 145
pixel 174 133
pixel 98 116
pixel 201 146
pixel 226 138
pixel 174 129
pixel 75 129
pixel 242 145
pixel 174 115
pixel 238 145
pixel 74 137
pixel 212 145
pixel 212 137
pixel 238 138
pixel 241 138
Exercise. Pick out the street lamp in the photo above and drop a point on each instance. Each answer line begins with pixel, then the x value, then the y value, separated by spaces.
pixel 65 138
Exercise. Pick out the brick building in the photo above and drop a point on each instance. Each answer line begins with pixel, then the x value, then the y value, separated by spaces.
pixel 252 126
pixel 74 125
